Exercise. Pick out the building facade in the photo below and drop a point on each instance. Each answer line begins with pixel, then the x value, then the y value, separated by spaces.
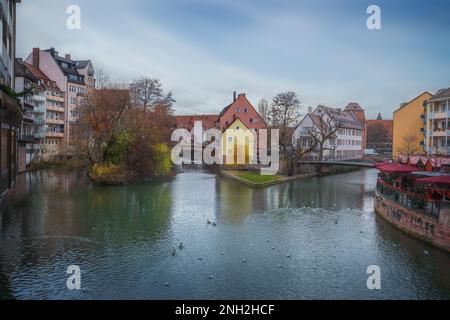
pixel 379 135
pixel 436 124
pixel 238 115
pixel 408 127
pixel 32 110
pixel 345 140
pixel 52 112
pixel 74 78
pixel 10 110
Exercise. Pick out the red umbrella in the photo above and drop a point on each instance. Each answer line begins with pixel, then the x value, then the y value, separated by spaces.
pixel 397 168
pixel 442 180
pixel 381 164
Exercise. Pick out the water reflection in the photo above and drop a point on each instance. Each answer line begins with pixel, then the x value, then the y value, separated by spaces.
pixel 304 239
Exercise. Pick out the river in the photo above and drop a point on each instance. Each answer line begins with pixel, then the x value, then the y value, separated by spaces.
pixel 308 239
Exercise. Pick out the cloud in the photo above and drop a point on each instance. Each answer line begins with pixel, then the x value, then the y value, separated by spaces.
pixel 204 50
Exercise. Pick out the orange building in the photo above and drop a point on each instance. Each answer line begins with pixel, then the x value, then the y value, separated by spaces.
pixel 408 127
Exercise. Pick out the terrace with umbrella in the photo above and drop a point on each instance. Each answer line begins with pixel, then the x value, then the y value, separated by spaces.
pixel 424 191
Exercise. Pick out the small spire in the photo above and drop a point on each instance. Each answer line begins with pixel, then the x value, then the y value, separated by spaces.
pixel 379 116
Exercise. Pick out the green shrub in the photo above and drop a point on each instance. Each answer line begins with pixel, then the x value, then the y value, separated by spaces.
pixel 163 161
pixel 108 174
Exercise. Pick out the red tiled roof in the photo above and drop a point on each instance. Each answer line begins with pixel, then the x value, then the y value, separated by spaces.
pixel 41 75
pixel 187 122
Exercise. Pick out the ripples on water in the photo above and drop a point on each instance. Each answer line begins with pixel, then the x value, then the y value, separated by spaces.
pixel 304 239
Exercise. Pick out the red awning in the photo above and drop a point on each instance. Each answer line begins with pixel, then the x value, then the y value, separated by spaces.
pixel 397 168
pixel 441 180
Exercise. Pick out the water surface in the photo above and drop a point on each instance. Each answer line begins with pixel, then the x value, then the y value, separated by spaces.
pixel 309 239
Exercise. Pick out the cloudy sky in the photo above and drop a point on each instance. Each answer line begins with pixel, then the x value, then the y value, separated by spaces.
pixel 203 50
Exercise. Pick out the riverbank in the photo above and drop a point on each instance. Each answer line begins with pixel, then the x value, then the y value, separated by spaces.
pixel 53 164
pixel 255 180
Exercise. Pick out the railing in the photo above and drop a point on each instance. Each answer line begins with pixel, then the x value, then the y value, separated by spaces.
pixel 38 98
pixel 55 121
pixel 55 98
pixel 54 134
pixel 39 109
pixel 409 199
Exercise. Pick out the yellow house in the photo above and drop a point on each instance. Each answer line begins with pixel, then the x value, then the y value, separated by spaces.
pixel 238 143
pixel 408 124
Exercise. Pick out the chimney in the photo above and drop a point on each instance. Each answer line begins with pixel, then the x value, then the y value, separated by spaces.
pixel 309 110
pixel 53 52
pixel 234 96
pixel 35 60
pixel 68 57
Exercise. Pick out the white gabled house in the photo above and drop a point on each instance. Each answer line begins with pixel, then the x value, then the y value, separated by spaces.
pixel 345 132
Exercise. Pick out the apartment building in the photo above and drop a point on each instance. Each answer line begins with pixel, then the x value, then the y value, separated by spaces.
pixel 344 128
pixel 32 111
pixel 408 127
pixel 73 77
pixel 9 108
pixel 52 110
pixel 436 124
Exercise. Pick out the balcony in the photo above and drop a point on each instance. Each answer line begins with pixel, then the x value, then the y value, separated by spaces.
pixel 39 109
pixel 56 109
pixel 50 134
pixel 440 132
pixel 26 138
pixel 38 98
pixel 39 122
pixel 54 121
pixel 40 134
pixel 55 98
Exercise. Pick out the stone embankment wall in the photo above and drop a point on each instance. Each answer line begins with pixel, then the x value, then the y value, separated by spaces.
pixel 417 224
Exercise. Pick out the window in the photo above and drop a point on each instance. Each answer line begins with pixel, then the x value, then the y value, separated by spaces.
pixel 251 120
pixel 245 110
pixel 237 110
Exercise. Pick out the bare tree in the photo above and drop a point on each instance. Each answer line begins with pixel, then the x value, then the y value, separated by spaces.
pixel 101 79
pixel 410 145
pixel 263 109
pixel 102 119
pixel 146 93
pixel 324 129
pixel 284 115
pixel 376 133
pixel 296 153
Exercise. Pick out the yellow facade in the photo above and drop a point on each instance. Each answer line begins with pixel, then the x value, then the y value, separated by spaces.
pixel 238 143
pixel 407 126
